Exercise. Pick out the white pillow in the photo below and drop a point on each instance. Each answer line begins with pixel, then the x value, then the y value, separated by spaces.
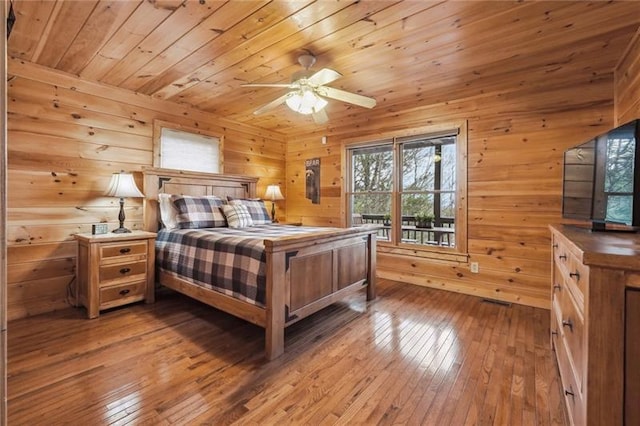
pixel 168 211
pixel 238 215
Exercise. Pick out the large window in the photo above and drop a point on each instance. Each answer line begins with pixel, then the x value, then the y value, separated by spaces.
pixel 414 185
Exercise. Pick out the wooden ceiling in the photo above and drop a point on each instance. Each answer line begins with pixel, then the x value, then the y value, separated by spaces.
pixel 402 53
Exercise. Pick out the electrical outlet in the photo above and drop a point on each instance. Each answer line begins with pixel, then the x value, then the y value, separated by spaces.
pixel 475 268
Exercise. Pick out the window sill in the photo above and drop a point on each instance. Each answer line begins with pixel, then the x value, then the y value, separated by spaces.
pixel 441 254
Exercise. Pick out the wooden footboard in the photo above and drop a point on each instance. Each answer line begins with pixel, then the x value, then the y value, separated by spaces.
pixel 305 273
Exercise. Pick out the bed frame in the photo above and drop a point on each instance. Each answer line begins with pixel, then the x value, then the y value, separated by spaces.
pixel 304 274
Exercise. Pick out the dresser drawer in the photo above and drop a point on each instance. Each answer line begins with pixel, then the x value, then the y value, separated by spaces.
pixel 578 277
pixel 570 388
pixel 561 255
pixel 122 249
pixel 125 272
pixel 570 325
pixel 569 272
pixel 121 294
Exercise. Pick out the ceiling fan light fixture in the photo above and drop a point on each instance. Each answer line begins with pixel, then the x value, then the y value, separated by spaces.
pixel 309 92
pixel 305 102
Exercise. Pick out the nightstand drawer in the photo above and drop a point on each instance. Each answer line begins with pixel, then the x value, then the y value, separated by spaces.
pixel 123 271
pixel 120 294
pixel 127 248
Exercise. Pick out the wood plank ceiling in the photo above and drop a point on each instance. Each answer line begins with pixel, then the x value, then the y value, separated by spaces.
pixel 402 53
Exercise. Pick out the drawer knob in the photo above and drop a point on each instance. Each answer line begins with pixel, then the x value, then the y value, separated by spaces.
pixel 555 246
pixel 557 287
pixel 562 257
pixel 567 323
pixel 125 250
pixel 554 333
pixel 575 275
pixel 125 270
pixel 568 392
pixel 124 292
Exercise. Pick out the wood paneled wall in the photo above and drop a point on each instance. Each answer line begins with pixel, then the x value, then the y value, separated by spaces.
pixel 627 83
pixel 66 137
pixel 516 141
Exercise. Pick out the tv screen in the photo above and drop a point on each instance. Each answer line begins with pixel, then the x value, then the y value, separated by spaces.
pixel 602 178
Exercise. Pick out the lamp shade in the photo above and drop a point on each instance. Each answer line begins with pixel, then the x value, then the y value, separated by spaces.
pixel 273 193
pixel 122 185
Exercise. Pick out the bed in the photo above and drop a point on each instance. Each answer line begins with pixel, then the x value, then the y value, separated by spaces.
pixel 304 271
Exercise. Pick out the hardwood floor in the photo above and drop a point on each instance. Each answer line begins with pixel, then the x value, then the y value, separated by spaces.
pixel 414 356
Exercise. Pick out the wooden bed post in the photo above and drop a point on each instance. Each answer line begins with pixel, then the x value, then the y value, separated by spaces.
pixel 371 271
pixel 275 299
pixel 150 202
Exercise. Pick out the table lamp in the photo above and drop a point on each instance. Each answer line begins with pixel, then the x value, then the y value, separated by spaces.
pixel 273 193
pixel 122 185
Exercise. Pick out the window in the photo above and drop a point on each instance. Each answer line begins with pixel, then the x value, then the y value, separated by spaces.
pixel 420 179
pixel 183 148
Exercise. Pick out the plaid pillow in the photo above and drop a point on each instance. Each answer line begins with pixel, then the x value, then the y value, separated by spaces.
pixel 256 207
pixel 237 215
pixel 198 212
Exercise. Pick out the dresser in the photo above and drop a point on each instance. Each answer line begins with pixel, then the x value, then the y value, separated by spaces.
pixel 114 270
pixel 594 312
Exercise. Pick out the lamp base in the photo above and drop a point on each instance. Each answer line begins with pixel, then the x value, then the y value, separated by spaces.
pixel 121 230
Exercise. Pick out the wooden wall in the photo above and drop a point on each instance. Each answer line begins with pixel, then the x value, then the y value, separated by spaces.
pixel 516 141
pixel 66 138
pixel 627 83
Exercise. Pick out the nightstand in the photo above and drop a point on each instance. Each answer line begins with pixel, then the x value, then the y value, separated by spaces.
pixel 115 269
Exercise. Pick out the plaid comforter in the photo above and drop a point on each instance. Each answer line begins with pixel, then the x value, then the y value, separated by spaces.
pixel 231 261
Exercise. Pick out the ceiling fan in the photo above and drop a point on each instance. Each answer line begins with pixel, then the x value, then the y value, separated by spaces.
pixel 308 92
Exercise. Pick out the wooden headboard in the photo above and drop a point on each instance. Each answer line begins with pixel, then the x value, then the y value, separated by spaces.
pixel 169 181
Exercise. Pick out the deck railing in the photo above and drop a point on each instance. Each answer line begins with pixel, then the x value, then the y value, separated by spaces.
pixel 441 234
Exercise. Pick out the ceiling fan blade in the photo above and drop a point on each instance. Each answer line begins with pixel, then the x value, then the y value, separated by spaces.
pixel 287 85
pixel 271 105
pixel 320 117
pixel 345 96
pixel 324 76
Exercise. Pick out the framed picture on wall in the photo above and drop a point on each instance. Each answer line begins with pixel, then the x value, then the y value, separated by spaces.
pixel 312 180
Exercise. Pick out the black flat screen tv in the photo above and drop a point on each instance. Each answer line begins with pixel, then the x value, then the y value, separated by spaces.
pixel 602 180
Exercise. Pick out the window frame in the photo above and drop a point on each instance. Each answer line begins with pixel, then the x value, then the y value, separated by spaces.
pixel 459 252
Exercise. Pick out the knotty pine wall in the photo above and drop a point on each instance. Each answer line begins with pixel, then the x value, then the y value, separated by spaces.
pixel 627 83
pixel 516 141
pixel 66 138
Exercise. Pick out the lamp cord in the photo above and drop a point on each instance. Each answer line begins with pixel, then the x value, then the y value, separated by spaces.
pixel 72 297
